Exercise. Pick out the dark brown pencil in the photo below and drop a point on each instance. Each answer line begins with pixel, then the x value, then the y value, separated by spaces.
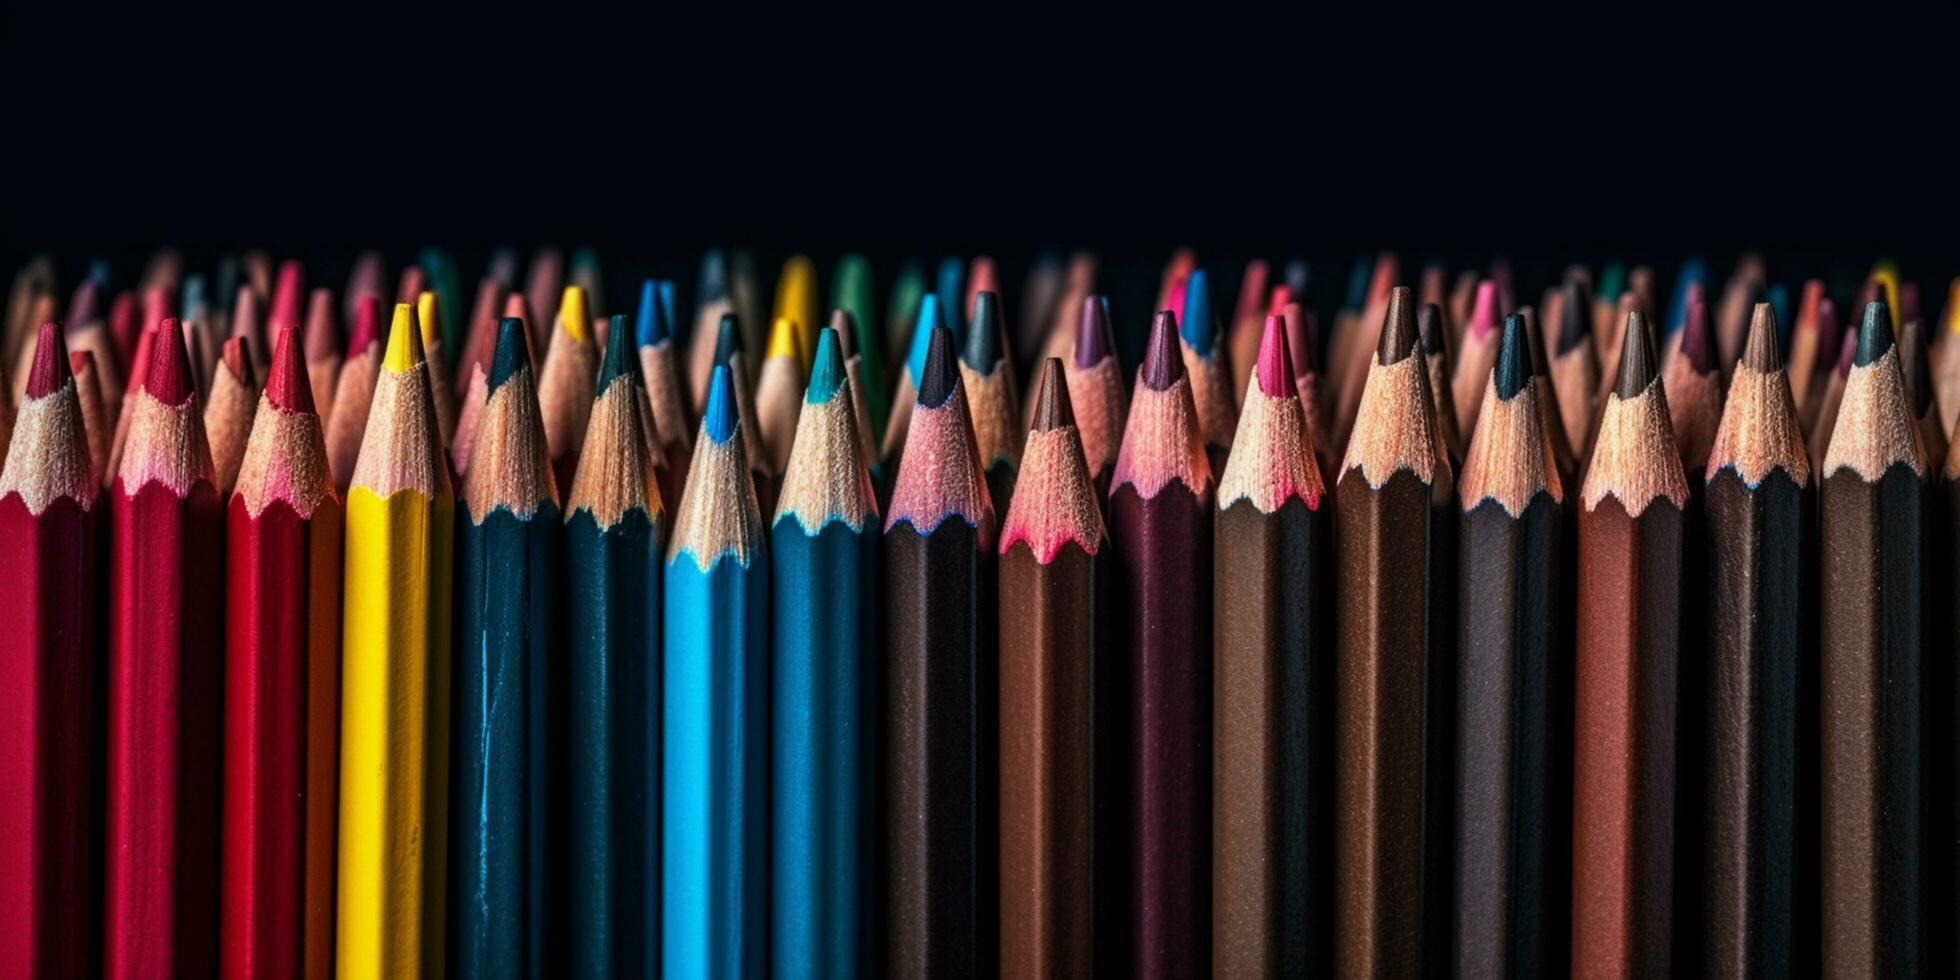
pixel 1394 657
pixel 1758 517
pixel 1050 635
pixel 1436 357
pixel 1869 727
pixel 1160 538
pixel 1509 792
pixel 1625 694
pixel 1272 755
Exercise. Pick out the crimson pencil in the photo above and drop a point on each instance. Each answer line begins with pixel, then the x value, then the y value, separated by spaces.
pixel 165 681
pixel 1160 539
pixel 282 688
pixel 47 710
pixel 1095 389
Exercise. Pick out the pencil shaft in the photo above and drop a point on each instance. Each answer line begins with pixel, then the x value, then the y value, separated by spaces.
pixel 1272 755
pixel 282 621
pixel 940 765
pixel 1509 789
pixel 1048 650
pixel 1942 718
pixel 716 768
pixel 165 685
pixel 503 906
pixel 823 629
pixel 612 716
pixel 47 633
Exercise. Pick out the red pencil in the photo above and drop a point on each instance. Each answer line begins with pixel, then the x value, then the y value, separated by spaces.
pixel 282 688
pixel 167 528
pixel 47 570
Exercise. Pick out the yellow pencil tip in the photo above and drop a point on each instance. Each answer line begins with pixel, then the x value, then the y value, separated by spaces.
pixel 572 315
pixel 785 339
pixel 404 341
pixel 425 311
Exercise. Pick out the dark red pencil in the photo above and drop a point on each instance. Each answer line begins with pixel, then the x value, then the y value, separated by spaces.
pixel 47 571
pixel 165 631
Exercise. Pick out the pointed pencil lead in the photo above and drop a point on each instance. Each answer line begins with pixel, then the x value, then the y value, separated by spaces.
pixel 169 377
pixel 1163 361
pixel 404 350
pixel 983 335
pixel 1399 334
pixel 512 352
pixel 50 370
pixel 826 369
pixel 1759 353
pixel 1574 315
pixel 719 418
pixel 1697 345
pixel 728 338
pixel 1093 340
pixel 1051 408
pixel 1513 368
pixel 650 326
pixel 1874 335
pixel 931 317
pixel 1429 326
pixel 1484 314
pixel 941 374
pixel 287 384
pixel 1636 358
pixel 1275 367
pixel 1200 332
pixel 622 360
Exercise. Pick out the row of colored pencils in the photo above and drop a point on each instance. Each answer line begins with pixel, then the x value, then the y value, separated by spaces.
pixel 401 662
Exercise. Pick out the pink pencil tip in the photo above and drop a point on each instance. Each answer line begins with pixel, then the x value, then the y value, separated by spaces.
pixel 1282 296
pixel 169 377
pixel 1484 313
pixel 367 326
pixel 286 383
pixel 50 362
pixel 288 296
pixel 1275 368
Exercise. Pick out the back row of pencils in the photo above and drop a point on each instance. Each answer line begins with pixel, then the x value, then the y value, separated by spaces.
pixel 463 647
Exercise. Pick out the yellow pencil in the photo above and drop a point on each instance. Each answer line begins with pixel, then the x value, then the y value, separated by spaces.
pixel 395 681
pixel 796 299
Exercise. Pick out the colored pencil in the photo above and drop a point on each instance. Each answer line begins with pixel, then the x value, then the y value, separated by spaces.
pixel 1510 791
pixel 1393 670
pixel 1574 366
pixel 613 539
pixel 987 380
pixel 544 283
pixel 505 786
pixel 950 287
pixel 1759 520
pixel 981 277
pixel 940 675
pixel 47 636
pixel 1920 400
pixel 779 392
pixel 1096 392
pixel 1869 729
pixel 729 353
pixel 1207 365
pixel 1806 362
pixel 902 311
pixel 1272 748
pixel 323 349
pixel 139 367
pixel 428 312
pixel 1478 354
pixel 713 301
pixel 444 281
pixel 88 393
pixel 796 301
pixel 1248 321
pixel 247 324
pixel 88 333
pixel 715 767
pixel 1436 357
pixel 1301 343
pixel 31 282
pixel 1173 287
pixel 1564 455
pixel 228 414
pixel 1946 358
pixel 1942 753
pixel 165 681
pixel 666 393
pixel 353 393
pixel 585 274
pixel 1051 635
pixel 1629 636
pixel 565 384
pixel 394 749
pixel 1160 540
pixel 930 317
pixel 1353 346
pixel 845 327
pixel 824 622
pixel 480 344
pixel 1830 400
pixel 282 686
pixel 1079 282
pixel 851 292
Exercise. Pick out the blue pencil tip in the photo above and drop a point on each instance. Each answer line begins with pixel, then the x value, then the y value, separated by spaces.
pixel 826 370
pixel 666 288
pixel 511 352
pixel 98 271
pixel 718 421
pixel 1196 323
pixel 952 276
pixel 650 326
pixel 930 315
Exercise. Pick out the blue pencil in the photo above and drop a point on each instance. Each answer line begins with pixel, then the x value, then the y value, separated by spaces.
pixel 715 773
pixel 823 594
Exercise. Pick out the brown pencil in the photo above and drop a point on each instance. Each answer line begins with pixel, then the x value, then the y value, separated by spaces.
pixel 1914 365
pixel 1393 661
pixel 1629 619
pixel 1436 357
pixel 1050 635
pixel 1869 725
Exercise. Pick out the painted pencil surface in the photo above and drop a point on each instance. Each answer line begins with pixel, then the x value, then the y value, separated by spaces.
pixel 394 749
pixel 1051 637
pixel 715 722
pixel 824 625
pixel 1160 540
pixel 164 682
pixel 282 686
pixel 1869 728
pixel 613 551
pixel 1272 754
pixel 939 761
pixel 47 636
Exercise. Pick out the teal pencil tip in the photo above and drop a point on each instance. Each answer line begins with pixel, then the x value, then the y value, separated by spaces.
pixel 511 352
pixel 1196 322
pixel 719 419
pixel 728 341
pixel 922 328
pixel 652 327
pixel 622 360
pixel 826 370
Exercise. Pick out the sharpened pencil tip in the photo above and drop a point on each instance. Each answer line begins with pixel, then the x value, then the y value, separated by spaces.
pixel 650 325
pixel 930 318
pixel 1399 334
pixel 511 353
pixel 286 383
pixel 622 360
pixel 826 369
pixel 1275 364
pixel 983 350
pixel 1636 358
pixel 719 418
pixel 1874 335
pixel 50 370
pixel 1093 340
pixel 404 349
pixel 1484 313
pixel 1759 353
pixel 1163 360
pixel 288 296
pixel 1912 360
pixel 785 340
pixel 1200 333
pixel 367 326
pixel 1051 408
pixel 572 315
pixel 846 326
pixel 169 377
pixel 237 355
pixel 941 373
pixel 1429 325
pixel 1513 369
pixel 728 338
pixel 1696 343
pixel 1573 328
